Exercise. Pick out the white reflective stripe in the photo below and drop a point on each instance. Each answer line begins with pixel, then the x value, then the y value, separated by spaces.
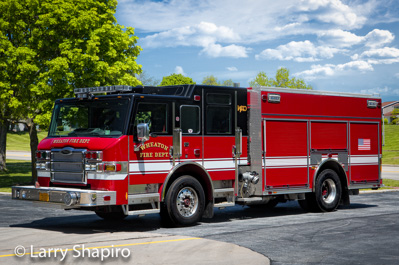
pixel 43 174
pixel 221 164
pixel 150 166
pixel 103 176
pixel 222 169
pixel 362 160
pixel 164 166
pixel 148 172
pixel 286 162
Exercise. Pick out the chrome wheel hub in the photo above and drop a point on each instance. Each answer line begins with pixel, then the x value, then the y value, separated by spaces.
pixel 328 191
pixel 187 202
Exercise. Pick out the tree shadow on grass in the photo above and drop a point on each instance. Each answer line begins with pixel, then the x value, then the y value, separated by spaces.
pixel 18 173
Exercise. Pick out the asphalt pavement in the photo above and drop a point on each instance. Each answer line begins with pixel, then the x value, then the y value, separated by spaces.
pixel 390 172
pixel 27 246
pixel 18 155
pixel 366 232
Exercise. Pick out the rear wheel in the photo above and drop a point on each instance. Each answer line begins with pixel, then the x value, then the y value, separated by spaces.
pixel 328 190
pixel 328 193
pixel 185 202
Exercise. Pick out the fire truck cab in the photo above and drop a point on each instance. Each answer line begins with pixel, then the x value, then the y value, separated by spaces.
pixel 182 150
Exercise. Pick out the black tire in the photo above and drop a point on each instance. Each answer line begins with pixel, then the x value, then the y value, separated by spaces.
pixel 328 190
pixel 111 216
pixel 166 221
pixel 184 201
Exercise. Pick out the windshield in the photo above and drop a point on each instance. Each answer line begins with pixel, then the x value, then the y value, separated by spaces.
pixel 89 118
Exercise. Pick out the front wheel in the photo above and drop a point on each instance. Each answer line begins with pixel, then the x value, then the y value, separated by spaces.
pixel 328 190
pixel 185 201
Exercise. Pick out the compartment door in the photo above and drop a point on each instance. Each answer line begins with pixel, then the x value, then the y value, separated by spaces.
pixel 286 153
pixel 364 152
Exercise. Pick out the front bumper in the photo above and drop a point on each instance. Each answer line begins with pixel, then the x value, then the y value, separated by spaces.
pixel 64 197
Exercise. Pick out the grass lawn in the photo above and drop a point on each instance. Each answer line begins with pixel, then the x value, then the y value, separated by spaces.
pixel 19 141
pixel 390 152
pixel 19 173
pixel 390 183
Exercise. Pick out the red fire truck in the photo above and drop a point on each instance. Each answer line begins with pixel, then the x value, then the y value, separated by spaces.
pixel 183 150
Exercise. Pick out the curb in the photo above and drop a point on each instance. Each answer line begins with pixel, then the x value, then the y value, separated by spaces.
pixel 377 191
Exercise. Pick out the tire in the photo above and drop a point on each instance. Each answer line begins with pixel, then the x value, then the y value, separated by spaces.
pixel 184 201
pixel 328 190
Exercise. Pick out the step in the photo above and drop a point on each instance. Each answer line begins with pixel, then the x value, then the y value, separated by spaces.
pixel 224 204
pixel 222 193
pixel 143 198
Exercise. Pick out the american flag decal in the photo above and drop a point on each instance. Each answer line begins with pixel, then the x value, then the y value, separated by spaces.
pixel 364 144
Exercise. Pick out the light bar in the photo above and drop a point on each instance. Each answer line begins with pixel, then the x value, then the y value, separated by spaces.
pixel 83 92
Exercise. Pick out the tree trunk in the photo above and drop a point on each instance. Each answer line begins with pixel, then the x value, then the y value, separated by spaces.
pixel 34 141
pixel 3 140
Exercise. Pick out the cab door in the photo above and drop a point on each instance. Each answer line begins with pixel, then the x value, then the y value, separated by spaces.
pixel 150 162
pixel 190 125
pixel 219 133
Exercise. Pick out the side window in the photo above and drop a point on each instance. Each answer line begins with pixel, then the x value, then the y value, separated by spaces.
pixel 218 114
pixel 155 114
pixel 190 119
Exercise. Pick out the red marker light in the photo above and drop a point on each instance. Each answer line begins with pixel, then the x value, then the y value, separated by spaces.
pixel 264 97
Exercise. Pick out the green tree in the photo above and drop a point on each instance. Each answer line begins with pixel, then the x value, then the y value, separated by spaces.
pixel 395 115
pixel 228 82
pixel 147 80
pixel 261 79
pixel 176 79
pixel 282 79
pixel 48 48
pixel 211 80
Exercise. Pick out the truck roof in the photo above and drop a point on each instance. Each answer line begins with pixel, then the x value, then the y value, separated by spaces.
pixel 187 91
pixel 183 91
pixel 315 92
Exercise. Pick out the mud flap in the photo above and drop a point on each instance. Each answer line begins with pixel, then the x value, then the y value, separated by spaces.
pixel 208 212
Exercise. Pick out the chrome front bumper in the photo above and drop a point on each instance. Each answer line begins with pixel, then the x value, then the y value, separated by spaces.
pixel 64 197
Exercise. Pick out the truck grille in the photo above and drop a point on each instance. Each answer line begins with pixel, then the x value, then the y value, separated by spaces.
pixel 67 165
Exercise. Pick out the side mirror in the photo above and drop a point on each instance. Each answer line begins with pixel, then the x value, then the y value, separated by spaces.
pixel 143 132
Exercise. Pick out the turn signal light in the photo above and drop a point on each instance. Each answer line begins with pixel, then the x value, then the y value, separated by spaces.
pixel 94 155
pixel 109 167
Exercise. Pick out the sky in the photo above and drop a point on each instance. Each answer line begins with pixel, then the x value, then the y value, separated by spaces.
pixel 334 45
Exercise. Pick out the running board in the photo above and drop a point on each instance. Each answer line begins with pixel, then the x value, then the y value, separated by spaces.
pixel 224 197
pixel 142 204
